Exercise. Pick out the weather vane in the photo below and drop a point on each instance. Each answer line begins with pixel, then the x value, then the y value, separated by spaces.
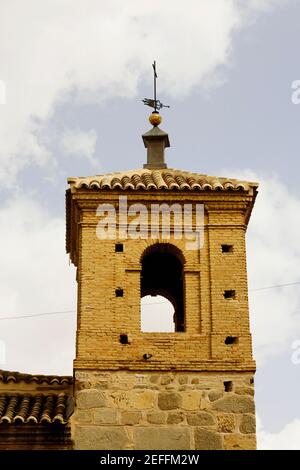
pixel 155 103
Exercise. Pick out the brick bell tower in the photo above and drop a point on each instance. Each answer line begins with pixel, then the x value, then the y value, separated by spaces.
pixel 187 389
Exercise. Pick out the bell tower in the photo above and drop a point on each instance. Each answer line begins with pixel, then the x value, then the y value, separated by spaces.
pixel 160 231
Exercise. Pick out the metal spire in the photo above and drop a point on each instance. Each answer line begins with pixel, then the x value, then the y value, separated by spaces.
pixel 155 103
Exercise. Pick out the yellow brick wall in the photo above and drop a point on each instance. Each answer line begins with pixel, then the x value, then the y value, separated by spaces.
pixel 209 318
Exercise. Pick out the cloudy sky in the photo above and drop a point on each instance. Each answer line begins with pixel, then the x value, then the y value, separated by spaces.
pixel 72 76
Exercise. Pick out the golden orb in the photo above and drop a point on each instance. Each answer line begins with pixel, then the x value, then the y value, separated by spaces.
pixel 155 119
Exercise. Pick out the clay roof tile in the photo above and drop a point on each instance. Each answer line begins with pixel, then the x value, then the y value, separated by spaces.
pixel 26 408
pixel 159 179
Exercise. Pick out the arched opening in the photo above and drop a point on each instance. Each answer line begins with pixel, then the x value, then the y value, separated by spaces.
pixel 157 315
pixel 162 275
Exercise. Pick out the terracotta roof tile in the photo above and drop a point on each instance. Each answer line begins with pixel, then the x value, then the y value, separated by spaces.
pixel 7 376
pixel 38 409
pixel 166 179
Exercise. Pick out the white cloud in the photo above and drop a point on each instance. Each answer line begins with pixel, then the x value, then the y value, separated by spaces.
pixel 35 277
pixel 80 143
pixel 264 5
pixel 286 439
pixel 96 50
pixel 273 258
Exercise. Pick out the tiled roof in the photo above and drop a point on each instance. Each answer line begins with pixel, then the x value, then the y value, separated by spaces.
pixel 34 409
pixel 7 376
pixel 167 179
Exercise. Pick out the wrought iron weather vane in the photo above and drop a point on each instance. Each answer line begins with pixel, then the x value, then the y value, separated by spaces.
pixel 155 103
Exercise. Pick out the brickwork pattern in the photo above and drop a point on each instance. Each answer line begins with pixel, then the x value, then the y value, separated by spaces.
pixel 209 319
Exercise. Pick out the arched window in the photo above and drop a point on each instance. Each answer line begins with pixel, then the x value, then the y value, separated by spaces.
pixel 162 275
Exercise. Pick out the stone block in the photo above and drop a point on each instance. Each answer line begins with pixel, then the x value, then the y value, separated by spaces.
pixel 156 417
pixel 202 418
pixel 247 425
pixel 183 379
pixel 100 438
pixel 83 416
pixel 131 417
pixel 191 400
pixel 167 438
pixel 239 442
pixel 121 399
pixel 166 380
pixel 214 395
pixel 143 400
pixel 106 416
pixel 235 404
pixel 90 398
pixel 175 417
pixel 226 422
pixel 205 404
pixel 154 379
pixel 206 439
pixel 244 391
pixel 169 400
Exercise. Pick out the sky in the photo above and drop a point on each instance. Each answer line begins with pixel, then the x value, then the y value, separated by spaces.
pixel 72 77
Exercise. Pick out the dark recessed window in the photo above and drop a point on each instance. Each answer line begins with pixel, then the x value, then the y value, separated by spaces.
pixel 228 386
pixel 227 248
pixel 124 339
pixel 119 292
pixel 119 248
pixel 229 294
pixel 231 340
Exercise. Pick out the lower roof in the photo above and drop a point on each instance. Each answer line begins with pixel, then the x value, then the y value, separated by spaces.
pixel 35 398
pixel 35 409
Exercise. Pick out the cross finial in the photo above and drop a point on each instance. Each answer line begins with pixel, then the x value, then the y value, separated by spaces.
pixel 154 85
pixel 155 103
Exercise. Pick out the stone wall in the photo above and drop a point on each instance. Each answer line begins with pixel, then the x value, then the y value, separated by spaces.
pixel 164 410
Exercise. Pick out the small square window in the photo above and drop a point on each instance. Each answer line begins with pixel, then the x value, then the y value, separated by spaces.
pixel 119 292
pixel 227 248
pixel 231 340
pixel 229 294
pixel 124 339
pixel 228 386
pixel 119 248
